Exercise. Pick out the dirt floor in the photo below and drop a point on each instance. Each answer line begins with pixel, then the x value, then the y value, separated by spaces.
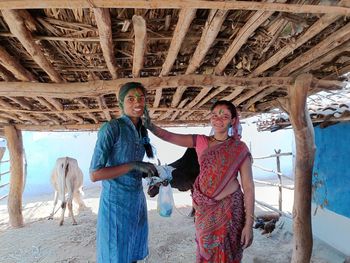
pixel 171 239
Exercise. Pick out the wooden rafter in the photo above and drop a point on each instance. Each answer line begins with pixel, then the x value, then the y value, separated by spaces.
pixel 6 75
pixel 140 31
pixel 178 4
pixel 323 60
pixel 17 26
pixel 210 32
pixel 238 90
pixel 12 65
pixel 334 40
pixel 203 101
pixel 24 116
pixel 100 87
pixel 103 106
pixel 316 28
pixel 185 18
pixel 22 102
pixel 103 21
pixel 204 91
pixel 252 24
pixel 90 114
pixel 87 110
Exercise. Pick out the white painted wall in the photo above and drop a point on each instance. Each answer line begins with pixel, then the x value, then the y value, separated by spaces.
pixel 332 228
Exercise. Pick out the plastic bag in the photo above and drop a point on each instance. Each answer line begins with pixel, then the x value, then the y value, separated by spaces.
pixel 165 201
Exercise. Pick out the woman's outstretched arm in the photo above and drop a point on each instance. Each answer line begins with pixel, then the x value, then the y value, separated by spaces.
pixel 185 140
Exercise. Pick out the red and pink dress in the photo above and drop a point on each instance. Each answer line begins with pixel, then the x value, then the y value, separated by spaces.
pixel 218 223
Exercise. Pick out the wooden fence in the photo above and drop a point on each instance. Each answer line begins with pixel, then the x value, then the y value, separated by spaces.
pixel 279 174
pixel 2 185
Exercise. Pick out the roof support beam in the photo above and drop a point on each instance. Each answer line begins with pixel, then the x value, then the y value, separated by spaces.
pixel 101 87
pixel 244 33
pixel 140 31
pixel 18 27
pixel 166 4
pixel 210 32
pixel 316 28
pixel 183 24
pixel 333 41
pixel 12 65
pixel 103 21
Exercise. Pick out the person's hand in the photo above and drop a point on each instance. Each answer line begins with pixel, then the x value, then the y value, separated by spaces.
pixel 143 167
pixel 147 122
pixel 247 236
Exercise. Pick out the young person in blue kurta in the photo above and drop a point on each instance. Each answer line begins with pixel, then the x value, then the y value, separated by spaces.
pixel 122 227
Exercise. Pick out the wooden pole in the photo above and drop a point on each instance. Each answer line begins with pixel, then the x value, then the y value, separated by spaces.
pixel 278 163
pixel 14 204
pixel 305 153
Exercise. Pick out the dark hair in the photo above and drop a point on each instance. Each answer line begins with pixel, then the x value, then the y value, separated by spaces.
pixel 229 106
pixel 144 133
pixel 126 88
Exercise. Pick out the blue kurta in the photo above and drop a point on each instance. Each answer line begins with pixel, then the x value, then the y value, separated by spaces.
pixel 122 228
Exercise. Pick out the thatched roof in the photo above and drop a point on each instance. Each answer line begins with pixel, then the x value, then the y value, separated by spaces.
pixel 61 62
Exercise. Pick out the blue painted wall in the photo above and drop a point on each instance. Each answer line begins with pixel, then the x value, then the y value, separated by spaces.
pixel 331 175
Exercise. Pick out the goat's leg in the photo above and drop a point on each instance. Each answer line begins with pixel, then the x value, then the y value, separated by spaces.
pixel 63 206
pixel 55 199
pixel 78 199
pixel 70 187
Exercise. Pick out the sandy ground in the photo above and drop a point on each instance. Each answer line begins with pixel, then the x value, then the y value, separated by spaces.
pixel 171 239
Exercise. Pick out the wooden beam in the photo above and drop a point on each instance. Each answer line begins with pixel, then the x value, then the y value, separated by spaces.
pixel 210 32
pixel 326 59
pixel 5 74
pixel 238 90
pixel 12 65
pixel 140 44
pixel 338 72
pixel 90 114
pixel 95 127
pixel 17 26
pixel 193 102
pixel 204 100
pixel 244 33
pixel 22 102
pixel 88 110
pixel 170 111
pixel 103 21
pixel 25 116
pixel 183 24
pixel 305 154
pixel 100 87
pixel 103 106
pixel 177 4
pixel 15 146
pixel 316 28
pixel 334 40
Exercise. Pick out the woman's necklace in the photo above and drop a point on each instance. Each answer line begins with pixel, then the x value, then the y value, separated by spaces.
pixel 228 137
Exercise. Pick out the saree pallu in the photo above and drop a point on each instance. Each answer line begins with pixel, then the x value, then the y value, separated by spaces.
pixel 219 223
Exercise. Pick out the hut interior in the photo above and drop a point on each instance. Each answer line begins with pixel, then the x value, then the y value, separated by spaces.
pixel 62 62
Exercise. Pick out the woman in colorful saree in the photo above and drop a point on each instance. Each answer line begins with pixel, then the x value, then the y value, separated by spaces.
pixel 224 214
pixel 122 228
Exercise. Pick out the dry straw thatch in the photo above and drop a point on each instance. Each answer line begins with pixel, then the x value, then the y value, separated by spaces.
pixel 61 64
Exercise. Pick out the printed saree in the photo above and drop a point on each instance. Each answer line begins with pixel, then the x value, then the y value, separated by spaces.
pixel 219 223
